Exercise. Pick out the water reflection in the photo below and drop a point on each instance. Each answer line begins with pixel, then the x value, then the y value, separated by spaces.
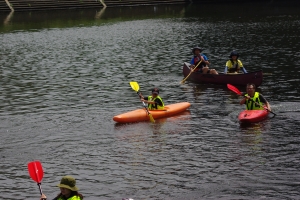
pixel 100 13
pixel 171 125
pixel 7 20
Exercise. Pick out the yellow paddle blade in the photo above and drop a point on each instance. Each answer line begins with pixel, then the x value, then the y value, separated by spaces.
pixel 135 86
pixel 151 118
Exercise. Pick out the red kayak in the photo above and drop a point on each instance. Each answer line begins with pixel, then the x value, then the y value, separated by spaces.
pixel 253 116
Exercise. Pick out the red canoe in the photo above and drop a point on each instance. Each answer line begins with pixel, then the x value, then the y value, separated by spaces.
pixel 141 114
pixel 253 116
pixel 233 79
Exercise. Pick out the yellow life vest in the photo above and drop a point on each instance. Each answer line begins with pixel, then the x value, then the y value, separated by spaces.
pixel 71 198
pixel 234 66
pixel 155 106
pixel 250 105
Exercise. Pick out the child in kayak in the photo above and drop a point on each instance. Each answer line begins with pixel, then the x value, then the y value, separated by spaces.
pixel 154 101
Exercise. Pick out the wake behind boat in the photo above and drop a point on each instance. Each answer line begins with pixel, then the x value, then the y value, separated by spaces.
pixel 142 115
pixel 255 77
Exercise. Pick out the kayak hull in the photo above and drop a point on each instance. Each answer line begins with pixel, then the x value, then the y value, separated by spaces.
pixel 252 116
pixel 255 77
pixel 142 115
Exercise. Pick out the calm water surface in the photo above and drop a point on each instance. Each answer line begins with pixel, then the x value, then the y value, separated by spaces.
pixel 65 74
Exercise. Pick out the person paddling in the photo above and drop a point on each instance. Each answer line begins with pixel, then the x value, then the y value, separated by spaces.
pixel 233 65
pixel 203 65
pixel 254 100
pixel 154 101
pixel 68 190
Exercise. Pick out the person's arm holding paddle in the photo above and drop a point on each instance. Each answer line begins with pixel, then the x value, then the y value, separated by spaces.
pixel 252 99
pixel 154 102
pixel 145 99
pixel 192 66
pixel 263 100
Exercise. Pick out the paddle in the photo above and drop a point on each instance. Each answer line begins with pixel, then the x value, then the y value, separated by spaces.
pixel 135 86
pixel 190 72
pixel 36 173
pixel 234 89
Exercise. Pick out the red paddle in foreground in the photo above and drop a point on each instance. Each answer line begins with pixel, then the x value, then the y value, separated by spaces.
pixel 36 173
pixel 234 89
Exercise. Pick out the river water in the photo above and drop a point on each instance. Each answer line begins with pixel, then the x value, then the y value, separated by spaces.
pixel 65 74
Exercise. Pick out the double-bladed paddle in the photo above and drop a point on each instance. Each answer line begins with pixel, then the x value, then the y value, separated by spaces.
pixel 190 72
pixel 135 86
pixel 36 173
pixel 234 89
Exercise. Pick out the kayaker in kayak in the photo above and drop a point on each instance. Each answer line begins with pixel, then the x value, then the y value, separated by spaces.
pixel 254 100
pixel 233 65
pixel 154 101
pixel 203 66
pixel 68 190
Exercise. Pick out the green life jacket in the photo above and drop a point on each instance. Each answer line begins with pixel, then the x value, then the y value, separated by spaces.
pixel 71 198
pixel 250 105
pixel 155 106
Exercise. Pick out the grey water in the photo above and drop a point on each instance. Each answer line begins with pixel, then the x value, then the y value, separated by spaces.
pixel 65 74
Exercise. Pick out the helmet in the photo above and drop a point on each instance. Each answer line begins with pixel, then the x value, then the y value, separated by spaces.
pixel 234 53
pixel 193 49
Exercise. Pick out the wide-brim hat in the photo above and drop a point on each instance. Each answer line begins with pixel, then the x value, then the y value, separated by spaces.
pixel 199 48
pixel 68 182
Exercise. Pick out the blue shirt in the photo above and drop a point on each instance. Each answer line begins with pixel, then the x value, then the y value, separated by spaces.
pixel 204 57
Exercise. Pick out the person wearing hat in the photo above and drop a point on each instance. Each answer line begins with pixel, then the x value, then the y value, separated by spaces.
pixel 203 66
pixel 154 101
pixel 68 190
pixel 233 65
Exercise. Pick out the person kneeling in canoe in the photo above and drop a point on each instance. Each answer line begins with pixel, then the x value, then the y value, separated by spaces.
pixel 68 190
pixel 154 101
pixel 202 67
pixel 254 100
pixel 233 65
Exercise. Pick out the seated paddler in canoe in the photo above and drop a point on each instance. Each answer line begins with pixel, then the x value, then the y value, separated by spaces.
pixel 154 101
pixel 234 65
pixel 200 61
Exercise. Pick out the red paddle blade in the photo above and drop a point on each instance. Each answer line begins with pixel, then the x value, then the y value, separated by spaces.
pixel 36 171
pixel 234 89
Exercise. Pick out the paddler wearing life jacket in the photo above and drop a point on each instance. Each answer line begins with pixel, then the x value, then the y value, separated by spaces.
pixel 233 65
pixel 68 190
pixel 203 65
pixel 154 101
pixel 254 100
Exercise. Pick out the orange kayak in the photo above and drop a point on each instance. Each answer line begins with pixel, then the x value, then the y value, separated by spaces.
pixel 141 114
